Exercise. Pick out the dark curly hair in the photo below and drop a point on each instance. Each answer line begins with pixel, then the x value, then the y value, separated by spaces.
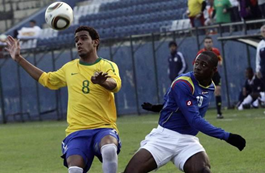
pixel 92 32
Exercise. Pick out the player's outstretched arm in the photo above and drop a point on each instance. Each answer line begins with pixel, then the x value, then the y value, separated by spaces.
pixel 13 48
pixel 104 80
pixel 189 107
pixel 149 107
pixel 237 141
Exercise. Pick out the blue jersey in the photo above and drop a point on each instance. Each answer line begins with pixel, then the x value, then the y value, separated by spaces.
pixel 186 103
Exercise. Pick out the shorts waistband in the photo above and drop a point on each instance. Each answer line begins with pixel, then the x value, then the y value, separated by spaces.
pixel 168 131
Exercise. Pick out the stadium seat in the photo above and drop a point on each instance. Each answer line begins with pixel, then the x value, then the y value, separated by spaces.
pixel 186 23
pixel 126 17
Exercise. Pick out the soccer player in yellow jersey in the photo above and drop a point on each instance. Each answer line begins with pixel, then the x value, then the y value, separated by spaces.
pixel 91 114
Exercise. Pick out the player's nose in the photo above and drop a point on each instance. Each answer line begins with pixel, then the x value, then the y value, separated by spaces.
pixel 197 67
pixel 79 42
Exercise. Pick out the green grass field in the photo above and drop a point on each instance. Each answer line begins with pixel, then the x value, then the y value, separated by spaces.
pixel 35 147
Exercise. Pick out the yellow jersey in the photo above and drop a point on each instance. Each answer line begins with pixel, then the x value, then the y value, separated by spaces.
pixel 195 7
pixel 90 106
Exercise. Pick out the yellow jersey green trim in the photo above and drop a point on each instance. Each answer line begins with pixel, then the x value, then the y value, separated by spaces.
pixel 88 64
pixel 110 65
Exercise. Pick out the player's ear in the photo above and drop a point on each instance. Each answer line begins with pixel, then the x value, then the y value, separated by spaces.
pixel 96 43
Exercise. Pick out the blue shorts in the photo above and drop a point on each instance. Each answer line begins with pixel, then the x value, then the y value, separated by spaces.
pixel 86 144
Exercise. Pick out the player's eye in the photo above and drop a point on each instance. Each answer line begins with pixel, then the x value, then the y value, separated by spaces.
pixel 84 38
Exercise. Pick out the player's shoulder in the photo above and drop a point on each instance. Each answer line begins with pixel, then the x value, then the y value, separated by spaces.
pixel 179 53
pixel 106 62
pixel 184 81
pixel 261 43
pixel 257 80
pixel 215 50
pixel 71 63
pixel 200 51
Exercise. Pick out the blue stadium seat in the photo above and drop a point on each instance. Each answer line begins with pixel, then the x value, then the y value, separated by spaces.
pixel 154 27
pixel 110 14
pixel 119 31
pixel 128 17
pixel 129 30
pixel 107 33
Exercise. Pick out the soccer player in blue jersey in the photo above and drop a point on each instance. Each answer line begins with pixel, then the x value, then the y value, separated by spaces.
pixel 91 115
pixel 181 118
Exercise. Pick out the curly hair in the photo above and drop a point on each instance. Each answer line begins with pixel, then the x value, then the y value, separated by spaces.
pixel 92 32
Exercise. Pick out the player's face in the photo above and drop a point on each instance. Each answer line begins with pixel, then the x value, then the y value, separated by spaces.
pixel 84 43
pixel 263 32
pixel 249 74
pixel 173 48
pixel 202 68
pixel 31 24
pixel 208 44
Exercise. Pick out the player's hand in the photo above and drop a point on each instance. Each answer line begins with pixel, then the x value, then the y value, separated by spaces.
pixel 99 78
pixel 147 106
pixel 188 12
pixel 198 15
pixel 237 141
pixel 13 48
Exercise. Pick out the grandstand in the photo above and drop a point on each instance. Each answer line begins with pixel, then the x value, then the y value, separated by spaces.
pixel 134 34
pixel 13 11
pixel 116 19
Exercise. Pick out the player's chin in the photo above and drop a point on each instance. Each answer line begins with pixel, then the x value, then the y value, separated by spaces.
pixel 198 75
pixel 82 54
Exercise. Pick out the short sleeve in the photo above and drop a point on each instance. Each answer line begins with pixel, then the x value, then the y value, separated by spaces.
pixel 218 55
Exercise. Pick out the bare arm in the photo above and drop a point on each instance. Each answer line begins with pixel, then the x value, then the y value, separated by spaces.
pixel 109 84
pixel 104 80
pixel 32 70
pixel 13 48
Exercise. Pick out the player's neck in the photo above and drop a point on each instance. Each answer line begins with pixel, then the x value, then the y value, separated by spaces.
pixel 89 58
pixel 205 82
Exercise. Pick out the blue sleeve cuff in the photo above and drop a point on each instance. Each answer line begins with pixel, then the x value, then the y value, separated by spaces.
pixel 226 136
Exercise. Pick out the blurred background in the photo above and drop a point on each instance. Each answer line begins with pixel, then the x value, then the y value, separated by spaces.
pixel 135 34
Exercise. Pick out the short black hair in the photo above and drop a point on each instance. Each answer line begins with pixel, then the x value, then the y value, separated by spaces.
pixel 33 21
pixel 213 56
pixel 207 37
pixel 92 32
pixel 172 43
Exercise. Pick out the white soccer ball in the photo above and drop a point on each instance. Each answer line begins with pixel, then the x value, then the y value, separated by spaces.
pixel 59 15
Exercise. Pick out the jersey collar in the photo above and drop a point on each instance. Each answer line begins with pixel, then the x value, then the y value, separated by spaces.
pixel 89 64
pixel 205 87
